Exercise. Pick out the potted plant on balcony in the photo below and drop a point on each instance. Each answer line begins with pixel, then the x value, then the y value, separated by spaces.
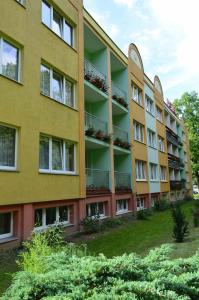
pixel 99 135
pixel 90 131
pixel 107 138
pixel 117 142
pixel 126 145
pixel 88 76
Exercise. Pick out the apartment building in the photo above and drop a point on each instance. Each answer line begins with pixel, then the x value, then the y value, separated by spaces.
pixel 83 130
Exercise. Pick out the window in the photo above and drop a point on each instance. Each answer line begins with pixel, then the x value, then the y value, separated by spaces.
pixel 7 148
pixel 122 205
pixel 162 173
pixel 95 209
pixel 138 132
pixel 140 203
pixel 6 225
pixel 154 199
pixel 153 171
pixel 58 24
pixel 151 138
pixel 137 94
pixel 56 86
pixel 45 217
pixel 9 60
pixel 56 155
pixel 160 143
pixel 158 113
pixel 140 170
pixel 149 105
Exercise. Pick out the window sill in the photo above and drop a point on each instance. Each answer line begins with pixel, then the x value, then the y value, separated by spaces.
pixel 122 212
pixel 71 47
pixel 152 147
pixel 56 101
pixel 161 151
pixel 21 4
pixel 8 240
pixel 143 143
pixel 58 173
pixel 154 180
pixel 9 170
pixel 138 103
pixel 42 229
pixel 13 80
pixel 150 113
pixel 141 180
pixel 161 122
pixel 164 181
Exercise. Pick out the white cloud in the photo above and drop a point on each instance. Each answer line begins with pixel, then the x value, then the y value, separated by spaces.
pixel 128 3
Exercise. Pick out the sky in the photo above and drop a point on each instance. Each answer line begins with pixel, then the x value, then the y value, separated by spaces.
pixel 166 33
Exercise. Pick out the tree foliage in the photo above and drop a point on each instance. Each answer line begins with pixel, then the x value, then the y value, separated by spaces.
pixel 187 107
pixel 180 227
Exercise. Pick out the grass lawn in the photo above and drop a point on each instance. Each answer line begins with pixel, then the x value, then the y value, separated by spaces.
pixel 134 236
pixel 141 235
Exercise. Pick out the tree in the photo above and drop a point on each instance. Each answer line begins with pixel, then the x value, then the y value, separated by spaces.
pixel 180 228
pixel 187 107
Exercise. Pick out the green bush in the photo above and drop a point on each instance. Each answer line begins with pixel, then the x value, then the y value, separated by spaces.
pixel 91 224
pixel 195 213
pixel 111 223
pixel 143 214
pixel 161 205
pixel 180 228
pixel 69 276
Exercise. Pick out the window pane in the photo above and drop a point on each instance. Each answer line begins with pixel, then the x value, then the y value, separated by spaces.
pixel 101 208
pixel 57 23
pixel 57 155
pixel 68 38
pixel 44 153
pixel 5 223
pixel 7 146
pixel 93 209
pixel 46 13
pixel 10 61
pixel 38 217
pixel 45 80
pixel 63 214
pixel 57 87
pixel 69 93
pixel 70 157
pixel 50 215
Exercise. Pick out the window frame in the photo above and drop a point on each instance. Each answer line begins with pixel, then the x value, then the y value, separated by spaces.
pixel 142 201
pixel 153 171
pixel 14 168
pixel 50 170
pixel 139 99
pixel 151 136
pixel 140 168
pixel 121 211
pixel 2 39
pixel 159 114
pixel 140 131
pixel 163 178
pixel 63 83
pixel 101 216
pixel 161 144
pixel 10 234
pixel 63 20
pixel 147 98
pixel 44 226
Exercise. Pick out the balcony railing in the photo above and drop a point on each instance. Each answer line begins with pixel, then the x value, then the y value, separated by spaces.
pixel 121 138
pixel 92 121
pixel 175 162
pixel 97 179
pixel 119 95
pixel 177 184
pixel 94 76
pixel 172 139
pixel 122 181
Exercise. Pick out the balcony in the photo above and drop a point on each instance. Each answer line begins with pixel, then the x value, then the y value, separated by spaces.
pixel 97 181
pixel 119 96
pixel 95 77
pixel 175 162
pixel 122 182
pixel 96 128
pixel 177 184
pixel 172 138
pixel 121 138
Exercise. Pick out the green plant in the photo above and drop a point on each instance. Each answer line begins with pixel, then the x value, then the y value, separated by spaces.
pixel 195 214
pixel 142 214
pixel 111 223
pixel 180 228
pixel 161 205
pixel 91 224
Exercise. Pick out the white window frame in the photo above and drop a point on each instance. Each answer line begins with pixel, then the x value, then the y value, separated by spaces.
pixel 2 39
pixel 140 170
pixel 163 176
pixel 44 226
pixel 140 200
pixel 123 210
pixel 153 172
pixel 10 234
pixel 149 105
pixel 151 138
pixel 14 168
pixel 139 132
pixel 50 170
pixel 64 79
pixel 101 216
pixel 158 114
pixel 161 146
pixel 63 21
pixel 137 91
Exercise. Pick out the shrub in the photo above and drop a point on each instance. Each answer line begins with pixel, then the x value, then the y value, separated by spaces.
pixel 111 223
pixel 142 214
pixel 161 205
pixel 180 228
pixel 91 224
pixel 154 277
pixel 195 214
